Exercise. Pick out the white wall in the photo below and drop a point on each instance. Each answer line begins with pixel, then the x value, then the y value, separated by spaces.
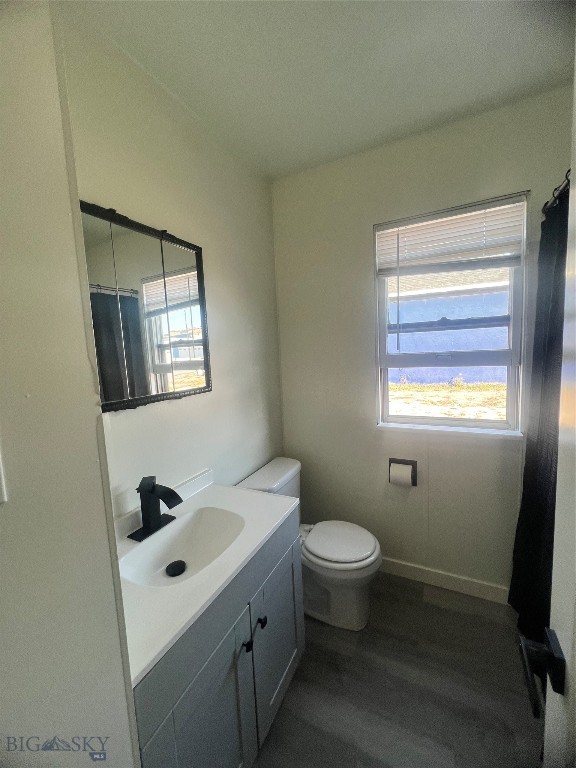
pixel 560 736
pixel 461 518
pixel 60 644
pixel 138 150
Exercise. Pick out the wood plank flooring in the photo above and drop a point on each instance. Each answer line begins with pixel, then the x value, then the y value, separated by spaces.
pixel 434 681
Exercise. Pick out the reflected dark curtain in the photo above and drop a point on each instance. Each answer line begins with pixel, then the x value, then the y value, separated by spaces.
pixel 531 585
pixel 109 353
pixel 118 381
pixel 136 368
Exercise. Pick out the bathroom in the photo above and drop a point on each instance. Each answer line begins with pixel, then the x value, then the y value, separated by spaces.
pixel 288 259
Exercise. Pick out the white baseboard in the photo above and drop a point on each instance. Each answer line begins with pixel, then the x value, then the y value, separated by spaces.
pixel 497 593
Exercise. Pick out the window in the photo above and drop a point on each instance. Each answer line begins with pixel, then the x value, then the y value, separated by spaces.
pixel 449 307
pixel 173 323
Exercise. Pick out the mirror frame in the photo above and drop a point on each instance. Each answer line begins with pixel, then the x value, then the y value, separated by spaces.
pixel 112 216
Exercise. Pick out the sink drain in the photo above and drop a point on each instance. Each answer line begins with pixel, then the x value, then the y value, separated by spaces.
pixel 176 568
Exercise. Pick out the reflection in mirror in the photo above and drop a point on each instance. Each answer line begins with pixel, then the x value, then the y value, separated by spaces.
pixel 148 311
pixel 138 258
pixel 184 318
pixel 104 301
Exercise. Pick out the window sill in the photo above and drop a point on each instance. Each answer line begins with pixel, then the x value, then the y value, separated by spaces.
pixel 508 434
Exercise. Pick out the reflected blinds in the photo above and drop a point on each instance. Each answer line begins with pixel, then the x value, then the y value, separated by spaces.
pixel 181 291
pixel 491 236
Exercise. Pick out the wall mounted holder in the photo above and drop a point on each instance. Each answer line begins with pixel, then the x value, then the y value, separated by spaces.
pixel 410 463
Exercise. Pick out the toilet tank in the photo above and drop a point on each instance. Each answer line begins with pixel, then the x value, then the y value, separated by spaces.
pixel 280 475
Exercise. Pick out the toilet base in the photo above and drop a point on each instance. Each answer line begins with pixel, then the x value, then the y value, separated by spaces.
pixel 342 605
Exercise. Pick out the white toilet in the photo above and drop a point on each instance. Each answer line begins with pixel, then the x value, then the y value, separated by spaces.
pixel 339 559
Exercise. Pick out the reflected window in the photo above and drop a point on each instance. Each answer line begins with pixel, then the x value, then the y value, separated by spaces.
pixel 174 336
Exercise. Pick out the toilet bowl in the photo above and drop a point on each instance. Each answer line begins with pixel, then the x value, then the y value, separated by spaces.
pixel 339 559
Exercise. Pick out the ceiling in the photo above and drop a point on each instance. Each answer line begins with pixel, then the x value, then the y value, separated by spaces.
pixel 286 85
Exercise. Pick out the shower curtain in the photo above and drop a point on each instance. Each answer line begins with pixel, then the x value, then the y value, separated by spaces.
pixel 531 585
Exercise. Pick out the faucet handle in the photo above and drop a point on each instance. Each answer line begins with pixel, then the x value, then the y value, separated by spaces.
pixel 147 484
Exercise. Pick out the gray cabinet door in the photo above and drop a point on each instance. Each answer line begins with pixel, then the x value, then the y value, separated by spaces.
pixel 277 630
pixel 215 719
pixel 160 752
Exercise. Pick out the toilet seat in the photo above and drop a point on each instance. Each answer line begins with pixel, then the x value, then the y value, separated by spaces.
pixel 331 566
pixel 338 545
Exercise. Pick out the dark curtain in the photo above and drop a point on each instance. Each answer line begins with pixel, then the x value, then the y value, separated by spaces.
pixel 117 380
pixel 531 585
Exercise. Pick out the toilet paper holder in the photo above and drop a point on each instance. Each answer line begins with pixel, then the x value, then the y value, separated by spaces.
pixel 409 462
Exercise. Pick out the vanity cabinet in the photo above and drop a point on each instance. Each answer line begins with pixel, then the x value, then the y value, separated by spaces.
pixel 210 700
pixel 277 637
pixel 215 720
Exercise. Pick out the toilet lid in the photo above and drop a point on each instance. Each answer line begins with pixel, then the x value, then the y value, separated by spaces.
pixel 340 542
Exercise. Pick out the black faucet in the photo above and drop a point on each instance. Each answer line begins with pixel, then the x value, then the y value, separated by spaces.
pixel 150 496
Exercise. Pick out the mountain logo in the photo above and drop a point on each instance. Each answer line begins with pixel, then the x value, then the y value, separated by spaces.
pixel 56 744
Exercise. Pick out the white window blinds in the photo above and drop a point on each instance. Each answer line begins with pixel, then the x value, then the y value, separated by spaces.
pixel 181 291
pixel 491 236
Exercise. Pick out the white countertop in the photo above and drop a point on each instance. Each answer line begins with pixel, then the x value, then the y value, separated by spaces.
pixel 156 616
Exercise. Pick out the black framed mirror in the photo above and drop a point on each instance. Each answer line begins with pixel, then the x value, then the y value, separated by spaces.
pixel 148 311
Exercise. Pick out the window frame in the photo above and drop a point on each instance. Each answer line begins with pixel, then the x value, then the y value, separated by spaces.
pixel 511 358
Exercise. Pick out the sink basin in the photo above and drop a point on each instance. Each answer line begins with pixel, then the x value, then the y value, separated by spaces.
pixel 198 538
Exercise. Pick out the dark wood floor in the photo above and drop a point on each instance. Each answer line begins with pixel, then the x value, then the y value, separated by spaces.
pixel 434 681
